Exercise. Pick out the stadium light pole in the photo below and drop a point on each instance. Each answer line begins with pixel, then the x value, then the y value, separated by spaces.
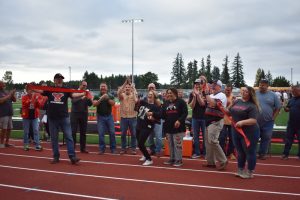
pixel 132 21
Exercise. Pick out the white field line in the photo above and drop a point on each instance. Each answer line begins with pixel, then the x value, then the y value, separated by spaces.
pixel 54 192
pixel 154 167
pixel 154 182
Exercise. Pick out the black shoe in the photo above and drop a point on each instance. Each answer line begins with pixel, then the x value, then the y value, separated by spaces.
pixel 84 151
pixel 74 160
pixel 55 161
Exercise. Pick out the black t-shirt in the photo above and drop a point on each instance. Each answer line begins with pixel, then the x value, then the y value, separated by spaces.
pixel 173 111
pixel 142 120
pixel 57 104
pixel 294 115
pixel 198 110
pixel 244 110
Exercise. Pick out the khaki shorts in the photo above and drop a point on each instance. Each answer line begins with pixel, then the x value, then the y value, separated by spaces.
pixel 6 122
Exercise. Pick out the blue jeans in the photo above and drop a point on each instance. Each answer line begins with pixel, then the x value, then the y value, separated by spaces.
pixel 244 153
pixel 226 133
pixel 289 139
pixel 196 125
pixel 266 131
pixel 157 133
pixel 65 125
pixel 106 124
pixel 35 128
pixel 128 123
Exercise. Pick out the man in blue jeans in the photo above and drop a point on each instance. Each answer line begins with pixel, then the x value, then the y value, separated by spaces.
pixel 105 121
pixel 128 98
pixel 293 126
pixel 58 118
pixel 270 107
pixel 198 104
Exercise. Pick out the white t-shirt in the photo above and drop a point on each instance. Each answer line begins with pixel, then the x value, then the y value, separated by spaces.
pixel 278 94
pixel 285 96
pixel 221 96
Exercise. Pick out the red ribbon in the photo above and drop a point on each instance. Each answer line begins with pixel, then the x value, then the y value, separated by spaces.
pixel 58 89
pixel 238 129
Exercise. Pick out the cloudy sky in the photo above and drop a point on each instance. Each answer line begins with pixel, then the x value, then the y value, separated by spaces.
pixel 39 38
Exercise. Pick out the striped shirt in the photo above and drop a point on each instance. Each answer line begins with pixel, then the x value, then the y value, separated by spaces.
pixel 127 105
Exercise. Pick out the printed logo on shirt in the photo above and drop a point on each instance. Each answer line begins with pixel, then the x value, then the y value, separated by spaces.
pixel 142 112
pixel 171 109
pixel 57 98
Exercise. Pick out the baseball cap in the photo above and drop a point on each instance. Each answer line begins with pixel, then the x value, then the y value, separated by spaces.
pixel 58 75
pixel 218 82
pixel 197 81
pixel 264 81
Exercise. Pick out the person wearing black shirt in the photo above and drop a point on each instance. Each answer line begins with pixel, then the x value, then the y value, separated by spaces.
pixel 79 117
pixel 293 126
pixel 244 112
pixel 174 112
pixel 148 114
pixel 58 118
pixel 198 104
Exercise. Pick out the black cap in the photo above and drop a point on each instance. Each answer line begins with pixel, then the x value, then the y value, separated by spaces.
pixel 264 81
pixel 58 75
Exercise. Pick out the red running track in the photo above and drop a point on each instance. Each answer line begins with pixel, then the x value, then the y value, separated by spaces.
pixel 28 175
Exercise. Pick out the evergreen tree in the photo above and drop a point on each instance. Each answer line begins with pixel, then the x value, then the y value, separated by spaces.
pixel 195 70
pixel 208 69
pixel 237 73
pixel 189 75
pixel 216 73
pixel 281 81
pixel 269 77
pixel 260 74
pixel 92 79
pixel 225 77
pixel 202 68
pixel 178 75
pixel 7 77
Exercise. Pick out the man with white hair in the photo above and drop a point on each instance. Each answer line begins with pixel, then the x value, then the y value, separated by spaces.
pixel 214 123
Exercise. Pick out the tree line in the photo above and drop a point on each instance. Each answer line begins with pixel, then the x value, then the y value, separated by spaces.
pixel 181 76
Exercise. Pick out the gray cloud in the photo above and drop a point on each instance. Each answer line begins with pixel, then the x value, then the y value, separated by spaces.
pixel 40 38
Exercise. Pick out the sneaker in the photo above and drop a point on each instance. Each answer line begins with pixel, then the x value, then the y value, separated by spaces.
pixel 232 157
pixel 143 158
pixel 194 156
pixel 113 151
pixel 133 152
pixel 2 146
pixel 247 174
pixel 26 147
pixel 84 151
pixel 261 157
pixel 101 152
pixel 54 161
pixel 178 163
pixel 209 165
pixel 284 157
pixel 169 162
pixel 148 162
pixel 223 166
pixel 239 172
pixel 74 160
pixel 123 151
pixel 8 145
pixel 38 148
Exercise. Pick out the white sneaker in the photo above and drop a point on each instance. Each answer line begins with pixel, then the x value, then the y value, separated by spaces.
pixel 142 158
pixel 148 162
pixel 2 146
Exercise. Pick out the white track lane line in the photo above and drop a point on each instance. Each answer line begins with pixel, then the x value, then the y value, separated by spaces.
pixel 196 160
pixel 54 192
pixel 154 182
pixel 154 167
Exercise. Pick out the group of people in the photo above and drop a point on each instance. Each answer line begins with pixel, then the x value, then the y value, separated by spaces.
pixel 218 116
